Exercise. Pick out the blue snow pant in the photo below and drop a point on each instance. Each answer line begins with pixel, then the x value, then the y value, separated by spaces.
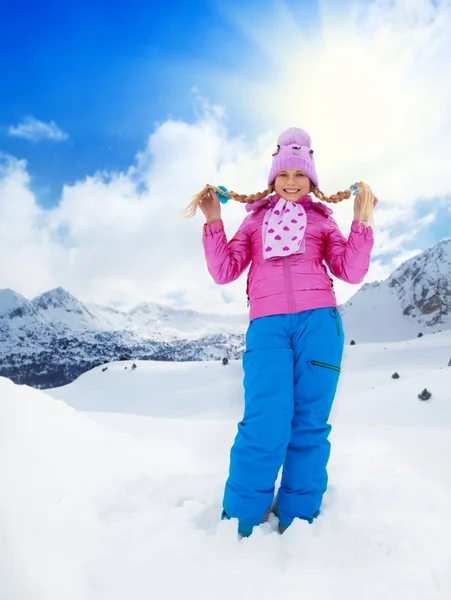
pixel 291 370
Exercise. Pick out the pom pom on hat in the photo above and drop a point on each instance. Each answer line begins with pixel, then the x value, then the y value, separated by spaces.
pixel 294 152
pixel 294 135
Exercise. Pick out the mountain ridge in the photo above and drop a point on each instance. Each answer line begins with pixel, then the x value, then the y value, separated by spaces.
pixel 51 339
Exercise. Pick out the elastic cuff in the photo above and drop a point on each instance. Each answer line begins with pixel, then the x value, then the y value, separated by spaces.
pixel 214 227
pixel 358 227
pixel 285 523
pixel 244 529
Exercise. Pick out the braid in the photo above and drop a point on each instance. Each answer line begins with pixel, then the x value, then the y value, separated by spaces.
pixel 191 209
pixel 338 197
pixel 367 203
pixel 251 197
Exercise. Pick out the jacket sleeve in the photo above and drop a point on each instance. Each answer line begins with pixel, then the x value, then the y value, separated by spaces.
pixel 226 261
pixel 349 259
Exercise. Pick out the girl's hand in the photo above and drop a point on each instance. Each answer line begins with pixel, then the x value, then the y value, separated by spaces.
pixel 211 207
pixel 358 215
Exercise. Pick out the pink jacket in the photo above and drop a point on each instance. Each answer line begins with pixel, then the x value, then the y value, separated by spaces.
pixel 292 283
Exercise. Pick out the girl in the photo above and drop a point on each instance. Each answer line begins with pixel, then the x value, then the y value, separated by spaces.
pixel 294 342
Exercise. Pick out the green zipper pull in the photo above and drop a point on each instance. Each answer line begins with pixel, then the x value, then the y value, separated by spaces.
pixel 325 365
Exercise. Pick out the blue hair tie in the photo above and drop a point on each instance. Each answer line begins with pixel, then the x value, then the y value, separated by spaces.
pixel 355 189
pixel 223 198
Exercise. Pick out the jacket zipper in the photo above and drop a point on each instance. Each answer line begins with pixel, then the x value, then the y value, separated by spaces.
pixel 337 324
pixel 288 284
pixel 325 365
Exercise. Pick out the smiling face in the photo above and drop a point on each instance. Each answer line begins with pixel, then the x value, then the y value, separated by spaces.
pixel 291 184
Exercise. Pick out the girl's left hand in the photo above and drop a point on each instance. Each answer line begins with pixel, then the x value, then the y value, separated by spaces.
pixel 358 216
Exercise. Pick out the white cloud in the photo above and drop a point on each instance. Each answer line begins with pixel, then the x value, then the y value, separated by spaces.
pixel 34 130
pixel 120 236
pixel 28 254
pixel 367 88
pixel 368 84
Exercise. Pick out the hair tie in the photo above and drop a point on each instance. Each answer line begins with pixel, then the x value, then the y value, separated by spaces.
pixel 224 197
pixel 355 189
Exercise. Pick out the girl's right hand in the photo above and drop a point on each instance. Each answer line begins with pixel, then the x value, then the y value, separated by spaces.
pixel 211 207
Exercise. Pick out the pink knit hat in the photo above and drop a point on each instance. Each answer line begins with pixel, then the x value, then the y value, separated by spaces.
pixel 294 152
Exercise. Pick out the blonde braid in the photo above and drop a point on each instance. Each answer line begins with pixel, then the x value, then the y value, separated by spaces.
pixel 192 207
pixel 251 197
pixel 366 206
pixel 338 197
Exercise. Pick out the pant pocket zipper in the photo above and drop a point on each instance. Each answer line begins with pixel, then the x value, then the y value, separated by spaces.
pixel 337 324
pixel 316 363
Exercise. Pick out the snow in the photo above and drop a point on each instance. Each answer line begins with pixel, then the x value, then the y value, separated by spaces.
pixel 366 307
pixel 175 323
pixel 188 389
pixel 112 486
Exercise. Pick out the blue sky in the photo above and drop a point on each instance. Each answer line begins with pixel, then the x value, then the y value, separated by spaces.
pixel 105 72
pixel 133 106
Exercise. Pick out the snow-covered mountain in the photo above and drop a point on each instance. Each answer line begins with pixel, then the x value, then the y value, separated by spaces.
pixel 61 307
pixel 52 339
pixel 14 305
pixel 415 299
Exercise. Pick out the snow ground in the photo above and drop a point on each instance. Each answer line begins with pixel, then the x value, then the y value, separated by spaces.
pixel 112 487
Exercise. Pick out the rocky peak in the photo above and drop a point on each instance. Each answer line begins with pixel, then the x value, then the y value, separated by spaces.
pixel 58 298
pixel 14 305
pixel 423 285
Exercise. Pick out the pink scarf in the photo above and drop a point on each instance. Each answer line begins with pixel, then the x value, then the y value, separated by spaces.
pixel 283 226
pixel 284 229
